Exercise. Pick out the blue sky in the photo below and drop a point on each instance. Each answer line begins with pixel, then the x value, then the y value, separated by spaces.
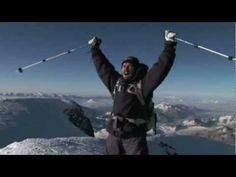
pixel 195 72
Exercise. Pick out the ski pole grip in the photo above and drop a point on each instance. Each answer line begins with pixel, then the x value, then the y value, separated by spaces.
pixel 230 58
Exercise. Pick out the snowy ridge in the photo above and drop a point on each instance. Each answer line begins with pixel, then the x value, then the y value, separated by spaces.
pixel 163 107
pixel 21 119
pixel 95 146
pixel 177 107
pixel 56 146
pixel 228 120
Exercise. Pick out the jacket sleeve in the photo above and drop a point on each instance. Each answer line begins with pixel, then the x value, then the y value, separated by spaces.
pixel 160 69
pixel 105 69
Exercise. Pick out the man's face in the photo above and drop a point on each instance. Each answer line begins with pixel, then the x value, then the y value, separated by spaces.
pixel 127 70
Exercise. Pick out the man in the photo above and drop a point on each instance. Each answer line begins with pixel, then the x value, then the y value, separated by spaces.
pixel 126 135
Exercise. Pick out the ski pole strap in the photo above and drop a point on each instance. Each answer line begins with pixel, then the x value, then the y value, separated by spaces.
pixel 137 122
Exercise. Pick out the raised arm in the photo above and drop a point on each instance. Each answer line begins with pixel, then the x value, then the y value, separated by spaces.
pixel 105 69
pixel 161 68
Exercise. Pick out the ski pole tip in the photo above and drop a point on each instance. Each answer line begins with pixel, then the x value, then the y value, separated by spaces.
pixel 20 70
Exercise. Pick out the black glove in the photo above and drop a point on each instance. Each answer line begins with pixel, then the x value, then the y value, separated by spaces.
pixel 95 42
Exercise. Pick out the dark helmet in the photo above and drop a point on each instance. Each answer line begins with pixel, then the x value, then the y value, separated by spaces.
pixel 133 60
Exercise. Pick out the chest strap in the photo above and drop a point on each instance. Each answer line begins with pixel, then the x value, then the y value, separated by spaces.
pixel 137 122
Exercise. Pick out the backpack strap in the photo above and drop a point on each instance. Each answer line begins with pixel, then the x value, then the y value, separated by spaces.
pixel 137 90
pixel 139 93
pixel 116 89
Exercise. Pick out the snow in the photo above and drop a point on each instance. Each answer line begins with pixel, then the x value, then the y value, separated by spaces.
pixel 108 113
pixel 189 122
pixel 184 145
pixel 167 130
pixel 56 146
pixel 227 120
pixel 102 134
pixel 174 133
pixel 91 101
pixel 191 130
pixel 164 107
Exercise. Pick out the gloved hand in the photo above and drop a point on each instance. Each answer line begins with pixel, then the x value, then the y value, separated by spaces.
pixel 95 42
pixel 170 36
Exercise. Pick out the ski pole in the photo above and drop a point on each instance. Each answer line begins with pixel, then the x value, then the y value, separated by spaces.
pixel 21 69
pixel 207 49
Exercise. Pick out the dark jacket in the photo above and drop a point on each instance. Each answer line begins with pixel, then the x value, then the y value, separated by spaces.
pixel 126 104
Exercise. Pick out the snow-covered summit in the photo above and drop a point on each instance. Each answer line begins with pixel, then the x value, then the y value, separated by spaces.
pixel 163 106
pixel 181 145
